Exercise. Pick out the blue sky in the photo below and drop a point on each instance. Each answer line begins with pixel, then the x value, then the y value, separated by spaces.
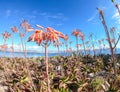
pixel 62 15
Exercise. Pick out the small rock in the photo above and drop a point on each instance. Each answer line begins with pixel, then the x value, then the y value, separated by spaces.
pixel 91 75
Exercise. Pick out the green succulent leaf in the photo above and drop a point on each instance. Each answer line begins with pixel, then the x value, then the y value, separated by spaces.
pixel 24 79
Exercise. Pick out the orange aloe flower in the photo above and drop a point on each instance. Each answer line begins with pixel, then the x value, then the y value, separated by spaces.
pixel 37 37
pixel 66 37
pixel 14 29
pixel 3 47
pixel 6 35
pixel 50 35
pixel 21 35
pixel 54 35
pixel 53 30
pixel 11 49
pixel 25 25
pixel 77 32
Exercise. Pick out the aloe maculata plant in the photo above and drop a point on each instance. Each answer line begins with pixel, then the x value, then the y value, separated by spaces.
pixel 87 46
pixel 22 30
pixel 100 46
pixel 6 35
pixel 83 42
pixel 77 33
pixel 25 27
pixel 111 46
pixel 14 30
pixel 45 37
pixel 93 43
pixel 58 44
pixel 66 43
pixel 74 75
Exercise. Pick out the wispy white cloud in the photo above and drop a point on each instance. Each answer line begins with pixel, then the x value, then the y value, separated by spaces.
pixel 116 17
pixel 8 13
pixel 50 19
pixel 30 16
pixel 53 16
pixel 92 17
pixel 30 48
pixel 43 14
pixel 33 47
pixel 18 48
pixel 57 19
pixel 59 24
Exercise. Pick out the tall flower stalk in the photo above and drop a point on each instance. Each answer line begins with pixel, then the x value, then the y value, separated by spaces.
pixel 14 30
pixel 5 35
pixel 76 33
pixel 21 35
pixel 83 42
pixel 58 44
pixel 26 27
pixel 87 46
pixel 45 37
pixel 111 46
pixel 66 43
pixel 70 46
pixel 93 43
pixel 100 46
